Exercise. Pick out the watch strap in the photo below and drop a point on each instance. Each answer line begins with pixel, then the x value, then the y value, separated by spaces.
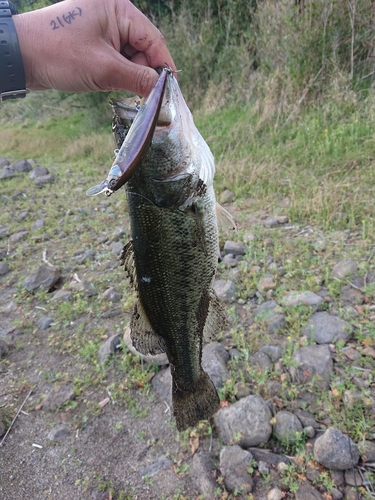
pixel 12 73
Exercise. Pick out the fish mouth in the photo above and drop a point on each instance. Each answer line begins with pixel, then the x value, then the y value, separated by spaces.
pixel 138 140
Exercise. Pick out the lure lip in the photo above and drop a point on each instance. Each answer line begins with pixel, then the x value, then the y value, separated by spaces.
pixel 137 142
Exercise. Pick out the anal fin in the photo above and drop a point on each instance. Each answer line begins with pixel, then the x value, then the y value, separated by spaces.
pixel 216 318
pixel 144 339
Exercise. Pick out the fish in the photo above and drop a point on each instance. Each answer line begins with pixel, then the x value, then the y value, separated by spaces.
pixel 172 257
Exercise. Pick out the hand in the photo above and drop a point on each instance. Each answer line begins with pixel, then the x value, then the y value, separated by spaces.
pixel 91 45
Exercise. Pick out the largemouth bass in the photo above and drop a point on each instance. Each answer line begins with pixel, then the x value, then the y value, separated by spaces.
pixel 173 254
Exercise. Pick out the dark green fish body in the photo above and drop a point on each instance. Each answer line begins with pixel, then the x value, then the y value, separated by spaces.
pixel 173 255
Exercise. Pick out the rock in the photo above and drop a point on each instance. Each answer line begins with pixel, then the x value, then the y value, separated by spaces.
pixel 266 283
pixel 262 360
pixel 301 298
pixel 7 173
pixel 263 468
pixel 62 296
pixel 287 428
pixel 4 232
pixel 4 162
pixel 44 179
pixel 241 390
pixel 275 352
pixel 324 328
pixel 118 234
pixel 226 196
pixel 4 268
pixel 18 236
pixel 116 247
pixel 162 385
pixel 230 260
pixel 307 492
pixel 246 422
pixel 275 494
pixel 335 451
pixel 44 322
pixel 344 268
pixel 271 222
pixel 313 362
pixel 158 359
pixel 151 470
pixel 368 451
pixel 38 172
pixel 214 360
pixel 350 295
pixel 307 419
pixel 2 429
pixel 234 465
pixel 3 348
pixel 110 346
pixel 58 433
pixel 43 278
pixel 268 457
pixel 353 477
pixel 58 397
pixel 234 248
pixel 225 289
pixel 9 308
pixel 101 495
pixel 21 166
pixel 247 237
pixel 111 295
pixel 201 471
pixel 336 494
pixel 38 224
pixel 87 255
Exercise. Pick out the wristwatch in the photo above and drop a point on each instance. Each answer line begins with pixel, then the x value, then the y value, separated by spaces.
pixel 12 73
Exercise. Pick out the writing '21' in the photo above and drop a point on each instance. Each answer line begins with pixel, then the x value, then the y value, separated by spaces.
pixel 61 22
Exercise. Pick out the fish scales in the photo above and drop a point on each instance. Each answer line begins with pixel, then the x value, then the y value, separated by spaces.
pixel 174 249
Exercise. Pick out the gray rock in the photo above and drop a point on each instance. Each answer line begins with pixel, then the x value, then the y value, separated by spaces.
pixel 151 470
pixel 44 322
pixel 118 235
pixel 344 268
pixel 336 494
pixel 225 289
pixel 4 162
pixel 262 360
pixel 307 419
pixel 87 255
pixel 38 172
pixel 230 260
pixel 21 166
pixel 325 328
pixel 275 494
pixel 275 352
pixel 43 278
pixel 266 283
pixel 4 268
pixel 301 298
pixel 162 385
pixel 38 224
pixel 7 173
pixel 3 348
pixel 287 428
pixel 2 429
pixel 85 287
pixel 58 433
pixel 335 451
pixel 226 196
pixel 234 465
pixel 268 457
pixel 214 360
pixel 313 362
pixel 368 451
pixel 246 422
pixel 271 222
pixel 307 492
pixel 18 236
pixel 353 477
pixel 111 295
pixel 110 346
pixel 44 179
pixel 58 397
pixel 62 296
pixel 234 248
pixel 201 471
pixel 350 295
pixel 116 247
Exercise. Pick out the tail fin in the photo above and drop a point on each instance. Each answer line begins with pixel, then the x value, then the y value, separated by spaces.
pixel 199 404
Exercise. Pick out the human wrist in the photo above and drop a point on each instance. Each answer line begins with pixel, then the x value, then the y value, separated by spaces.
pixel 12 74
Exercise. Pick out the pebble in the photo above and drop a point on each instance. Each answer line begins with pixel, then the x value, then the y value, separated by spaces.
pixel 350 295
pixel 62 296
pixel 266 283
pixel 18 236
pixel 270 313
pixel 353 477
pixel 324 328
pixel 335 451
pixel 301 298
pixel 162 385
pixel 272 459
pixel 43 278
pixel 4 268
pixel 225 290
pixel 226 196
pixel 44 322
pixel 44 179
pixel 234 248
pixel 201 471
pixel 21 166
pixel 111 295
pixel 275 494
pixel 368 451
pixel 4 231
pixel 344 268
pixel 3 348
pixel 58 433
pixel 246 422
pixel 38 224
pixel 116 247
pixel 262 361
pixel 307 492
pixel 287 428
pixel 234 465
pixel 110 346
pixel 7 173
pixel 275 352
pixel 118 234
pixel 151 470
pixel 38 172
pixel 58 397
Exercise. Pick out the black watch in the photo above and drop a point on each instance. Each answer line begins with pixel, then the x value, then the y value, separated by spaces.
pixel 12 73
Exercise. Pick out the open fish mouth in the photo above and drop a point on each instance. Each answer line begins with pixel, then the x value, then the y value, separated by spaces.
pixel 137 139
